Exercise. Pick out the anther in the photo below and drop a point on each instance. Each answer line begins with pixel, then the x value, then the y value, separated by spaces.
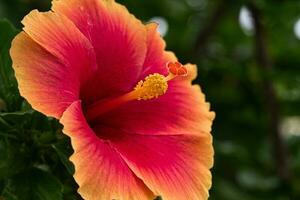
pixel 153 86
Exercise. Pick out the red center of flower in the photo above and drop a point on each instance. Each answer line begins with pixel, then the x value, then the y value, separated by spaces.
pixel 153 86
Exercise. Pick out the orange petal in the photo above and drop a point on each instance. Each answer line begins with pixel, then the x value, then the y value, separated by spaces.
pixel 60 37
pixel 41 77
pixel 175 167
pixel 99 170
pixel 49 61
pixel 167 141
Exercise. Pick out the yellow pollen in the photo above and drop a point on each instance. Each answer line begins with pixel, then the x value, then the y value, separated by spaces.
pixel 152 87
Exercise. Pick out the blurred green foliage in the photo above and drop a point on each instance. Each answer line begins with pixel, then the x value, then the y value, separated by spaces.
pixel 34 153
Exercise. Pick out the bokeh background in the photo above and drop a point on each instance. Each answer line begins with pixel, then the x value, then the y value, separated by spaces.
pixel 248 57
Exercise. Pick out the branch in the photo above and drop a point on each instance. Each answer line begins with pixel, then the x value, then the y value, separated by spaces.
pixel 264 61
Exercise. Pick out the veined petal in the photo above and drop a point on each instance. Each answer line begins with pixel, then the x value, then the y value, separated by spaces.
pixel 167 141
pixel 43 80
pixel 156 57
pixel 181 110
pixel 100 171
pixel 58 35
pixel 49 61
pixel 175 167
pixel 119 40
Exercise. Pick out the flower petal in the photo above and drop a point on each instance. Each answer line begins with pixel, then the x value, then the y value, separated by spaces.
pixel 49 61
pixel 58 35
pixel 43 80
pixel 99 170
pixel 119 40
pixel 166 142
pixel 175 167
pixel 156 57
pixel 181 110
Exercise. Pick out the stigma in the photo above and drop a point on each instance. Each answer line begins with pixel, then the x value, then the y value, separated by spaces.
pixel 153 86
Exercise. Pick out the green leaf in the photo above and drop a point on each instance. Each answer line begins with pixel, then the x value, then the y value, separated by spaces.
pixel 20 115
pixel 64 151
pixel 34 185
pixel 9 122
pixel 27 120
pixel 7 33
pixel 12 158
pixel 8 84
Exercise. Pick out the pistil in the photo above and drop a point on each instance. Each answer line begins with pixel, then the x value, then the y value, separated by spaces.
pixel 153 86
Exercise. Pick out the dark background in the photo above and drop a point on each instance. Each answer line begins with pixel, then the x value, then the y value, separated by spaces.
pixel 248 56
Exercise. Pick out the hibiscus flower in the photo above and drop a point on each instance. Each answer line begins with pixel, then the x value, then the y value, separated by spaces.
pixel 138 127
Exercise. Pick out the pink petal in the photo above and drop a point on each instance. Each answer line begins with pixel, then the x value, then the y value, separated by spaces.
pixel 175 167
pixel 49 61
pixel 43 80
pixel 181 110
pixel 119 40
pixel 58 35
pixel 156 57
pixel 166 142
pixel 99 170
